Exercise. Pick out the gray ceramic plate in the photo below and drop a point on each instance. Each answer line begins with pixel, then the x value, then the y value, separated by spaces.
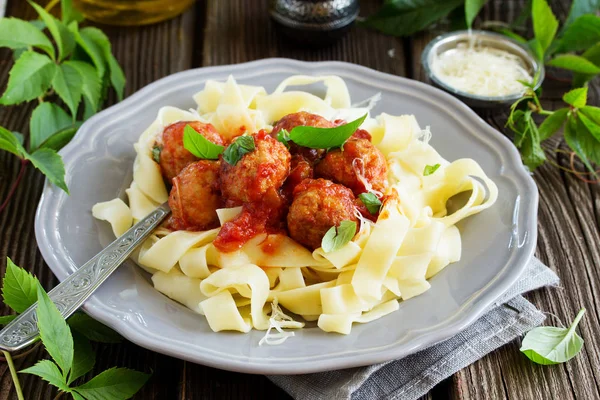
pixel 497 243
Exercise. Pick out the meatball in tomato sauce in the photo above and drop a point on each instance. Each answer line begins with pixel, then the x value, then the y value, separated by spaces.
pixel 302 118
pixel 262 169
pixel 359 165
pixel 318 205
pixel 173 156
pixel 195 197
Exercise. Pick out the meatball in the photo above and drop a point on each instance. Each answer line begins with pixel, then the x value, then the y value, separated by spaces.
pixel 195 197
pixel 318 205
pixel 302 118
pixel 358 165
pixel 258 171
pixel 300 170
pixel 173 156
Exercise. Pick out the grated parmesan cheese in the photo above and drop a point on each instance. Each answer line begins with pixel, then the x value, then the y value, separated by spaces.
pixel 480 70
pixel 279 320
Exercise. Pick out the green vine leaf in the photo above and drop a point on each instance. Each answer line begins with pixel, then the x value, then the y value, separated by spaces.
pixel 91 83
pixel 576 97
pixel 11 143
pixel 18 34
pixel 62 36
pixel 48 371
pixel 29 78
pixel 84 358
pixel 545 25
pixel 472 8
pixel 574 63
pixel 46 120
pixel 68 84
pixel 19 287
pixel 51 165
pixel 114 383
pixel 553 123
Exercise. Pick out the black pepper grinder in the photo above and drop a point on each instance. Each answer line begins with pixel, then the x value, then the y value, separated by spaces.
pixel 314 22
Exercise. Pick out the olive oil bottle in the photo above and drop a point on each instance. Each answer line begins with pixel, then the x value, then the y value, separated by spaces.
pixel 131 12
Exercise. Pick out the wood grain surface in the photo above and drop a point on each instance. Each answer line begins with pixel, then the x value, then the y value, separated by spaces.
pixel 225 32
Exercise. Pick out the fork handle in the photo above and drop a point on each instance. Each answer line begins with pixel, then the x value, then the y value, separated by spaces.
pixel 71 293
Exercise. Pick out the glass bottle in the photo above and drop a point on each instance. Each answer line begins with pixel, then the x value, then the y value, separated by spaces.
pixel 131 12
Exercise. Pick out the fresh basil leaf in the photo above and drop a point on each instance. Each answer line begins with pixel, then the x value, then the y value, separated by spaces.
pixel 93 50
pixel 92 329
pixel 545 23
pixel 583 33
pixel 472 8
pixel 51 165
pixel 553 123
pixel 48 371
pixel 46 119
pixel 325 138
pixel 84 357
pixel 579 8
pixel 54 332
pixel 370 201
pixel 576 97
pixel 574 63
pixel 18 34
pixel 19 287
pixel 91 83
pixel 238 148
pixel 29 78
pixel 67 83
pixel 338 237
pixel 403 18
pixel 548 345
pixel 114 383
pixel 430 169
pixel 65 41
pixel 156 154
pixel 582 143
pixel 11 143
pixel 200 146
pixel 6 319
pixel 117 77
pixel 592 54
pixel 69 13
pixel 59 139
pixel 283 136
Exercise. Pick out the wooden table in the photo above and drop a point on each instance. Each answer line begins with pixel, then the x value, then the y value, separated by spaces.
pixel 233 31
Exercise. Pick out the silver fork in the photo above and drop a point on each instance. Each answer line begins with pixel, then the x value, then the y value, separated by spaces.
pixel 71 293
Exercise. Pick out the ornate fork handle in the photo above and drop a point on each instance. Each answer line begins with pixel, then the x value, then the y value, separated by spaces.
pixel 70 294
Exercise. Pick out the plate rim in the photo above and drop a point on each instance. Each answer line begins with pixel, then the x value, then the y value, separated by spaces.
pixel 468 313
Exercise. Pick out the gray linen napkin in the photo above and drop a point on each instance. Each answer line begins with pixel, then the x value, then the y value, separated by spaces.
pixel 413 376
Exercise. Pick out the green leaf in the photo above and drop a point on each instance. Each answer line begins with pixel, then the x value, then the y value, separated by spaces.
pixel 65 41
pixel 200 146
pixel 283 136
pixel 68 83
pixel 114 383
pixel 69 13
pixel 574 63
pixel 553 123
pixel 545 23
pixel 77 396
pixel 592 113
pixel 370 201
pixel 91 83
pixel 548 345
pixel 30 77
pixel 337 237
pixel 156 150
pixel 531 150
pixel 11 143
pixel 54 331
pixel 325 138
pixel 512 35
pixel 60 139
pixel 430 169
pixel 84 358
pixel 576 97
pixel 592 127
pixel 92 329
pixel 582 142
pixel 238 148
pixel 51 165
pixel 19 287
pixel 523 16
pixel 19 136
pixel 46 120
pixel 579 8
pixel 6 319
pixel 49 372
pixel 403 18
pixel 117 78
pixel 592 54
pixel 92 49
pixel 582 34
pixel 472 8
pixel 18 34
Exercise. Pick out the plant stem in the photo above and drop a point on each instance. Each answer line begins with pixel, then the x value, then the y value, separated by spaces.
pixel 51 5
pixel 15 185
pixel 13 373
pixel 545 112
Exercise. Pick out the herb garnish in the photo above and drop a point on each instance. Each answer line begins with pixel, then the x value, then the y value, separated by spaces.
pixel 283 136
pixel 430 169
pixel 238 148
pixel 156 150
pixel 548 345
pixel 200 146
pixel 370 201
pixel 337 237
pixel 66 342
pixel 324 138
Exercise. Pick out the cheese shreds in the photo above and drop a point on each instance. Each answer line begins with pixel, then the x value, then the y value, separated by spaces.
pixel 279 320
pixel 481 70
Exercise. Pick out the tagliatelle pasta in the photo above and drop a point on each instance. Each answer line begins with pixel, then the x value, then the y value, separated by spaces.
pixel 390 258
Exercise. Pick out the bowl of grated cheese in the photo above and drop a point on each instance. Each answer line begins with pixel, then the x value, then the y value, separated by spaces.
pixel 483 69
